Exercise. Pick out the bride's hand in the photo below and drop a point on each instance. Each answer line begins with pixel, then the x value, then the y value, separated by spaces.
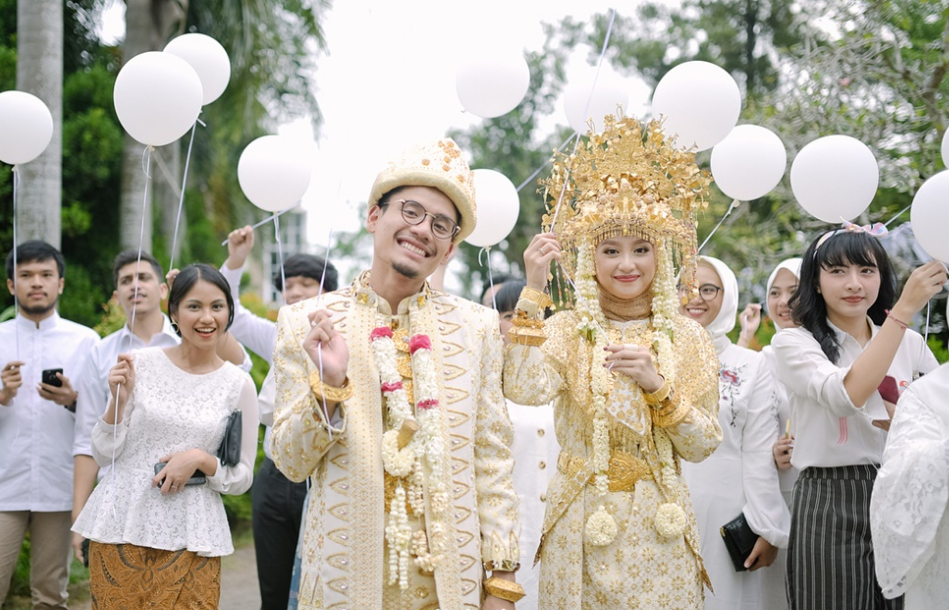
pixel 636 363
pixel 543 249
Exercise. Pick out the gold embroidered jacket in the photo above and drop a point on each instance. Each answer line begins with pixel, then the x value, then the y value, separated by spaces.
pixel 343 554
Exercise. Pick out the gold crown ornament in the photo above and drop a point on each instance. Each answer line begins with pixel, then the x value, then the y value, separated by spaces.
pixel 439 165
pixel 628 179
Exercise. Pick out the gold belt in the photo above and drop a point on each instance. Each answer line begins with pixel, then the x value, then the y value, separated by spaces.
pixel 625 469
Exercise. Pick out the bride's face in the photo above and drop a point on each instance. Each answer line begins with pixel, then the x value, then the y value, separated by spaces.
pixel 625 266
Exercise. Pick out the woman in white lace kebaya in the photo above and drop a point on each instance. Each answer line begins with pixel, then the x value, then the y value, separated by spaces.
pixel 908 515
pixel 156 539
pixel 740 477
pixel 850 353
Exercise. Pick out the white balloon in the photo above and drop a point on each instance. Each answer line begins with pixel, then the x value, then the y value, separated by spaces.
pixel 749 162
pixel 835 178
pixel 699 104
pixel 209 60
pixel 273 173
pixel 582 101
pixel 498 208
pixel 26 127
pixel 493 83
pixel 157 97
pixel 930 216
pixel 945 148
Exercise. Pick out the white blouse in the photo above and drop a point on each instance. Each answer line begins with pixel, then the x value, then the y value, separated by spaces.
pixel 788 477
pixel 169 411
pixel 908 517
pixel 829 430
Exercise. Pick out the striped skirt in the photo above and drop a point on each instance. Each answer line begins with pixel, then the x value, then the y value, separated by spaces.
pixel 126 577
pixel 830 554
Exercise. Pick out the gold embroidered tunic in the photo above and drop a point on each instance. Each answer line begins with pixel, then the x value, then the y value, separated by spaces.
pixel 344 549
pixel 639 569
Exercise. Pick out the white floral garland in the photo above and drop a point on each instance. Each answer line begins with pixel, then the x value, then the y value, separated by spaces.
pixel 428 444
pixel 601 528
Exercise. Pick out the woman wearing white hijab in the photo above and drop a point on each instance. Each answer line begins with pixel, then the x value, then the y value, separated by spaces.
pixel 781 285
pixel 740 477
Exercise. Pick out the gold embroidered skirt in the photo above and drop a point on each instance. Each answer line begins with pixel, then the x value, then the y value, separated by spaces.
pixel 125 576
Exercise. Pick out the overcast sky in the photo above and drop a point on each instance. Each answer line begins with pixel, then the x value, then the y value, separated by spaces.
pixel 389 82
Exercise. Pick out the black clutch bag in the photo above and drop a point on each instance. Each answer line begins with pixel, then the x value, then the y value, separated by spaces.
pixel 230 450
pixel 739 540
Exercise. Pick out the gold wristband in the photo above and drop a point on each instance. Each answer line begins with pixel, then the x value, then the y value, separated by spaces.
pixel 654 399
pixel 504 589
pixel 536 296
pixel 328 392
pixel 673 418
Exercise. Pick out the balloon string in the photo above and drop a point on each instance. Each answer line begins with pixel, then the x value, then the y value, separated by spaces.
pixel 599 64
pixel 319 348
pixel 16 261
pixel 487 250
pixel 546 163
pixel 283 278
pixel 898 214
pixel 147 160
pixel 181 199
pixel 734 204
pixel 266 220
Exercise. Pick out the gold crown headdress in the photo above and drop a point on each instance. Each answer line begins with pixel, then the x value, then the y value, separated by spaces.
pixel 627 180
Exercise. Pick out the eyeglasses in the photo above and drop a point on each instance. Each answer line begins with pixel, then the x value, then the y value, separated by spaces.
pixel 413 213
pixel 708 292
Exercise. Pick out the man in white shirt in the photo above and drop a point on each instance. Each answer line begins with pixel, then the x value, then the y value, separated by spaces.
pixel 41 354
pixel 277 501
pixel 139 286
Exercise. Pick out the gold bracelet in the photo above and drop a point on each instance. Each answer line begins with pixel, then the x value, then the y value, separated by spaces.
pixel 673 418
pixel 504 589
pixel 329 393
pixel 536 296
pixel 654 399
pixel 521 318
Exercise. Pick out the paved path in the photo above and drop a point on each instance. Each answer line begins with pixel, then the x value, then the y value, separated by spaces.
pixel 239 589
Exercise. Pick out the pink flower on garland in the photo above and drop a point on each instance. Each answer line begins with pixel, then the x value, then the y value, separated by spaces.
pixel 391 386
pixel 428 403
pixel 419 342
pixel 380 332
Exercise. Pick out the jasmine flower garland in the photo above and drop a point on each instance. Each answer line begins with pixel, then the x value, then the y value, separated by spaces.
pixel 427 445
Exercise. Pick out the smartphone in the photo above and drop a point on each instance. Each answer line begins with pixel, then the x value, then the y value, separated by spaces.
pixel 50 378
pixel 198 478
pixel 888 389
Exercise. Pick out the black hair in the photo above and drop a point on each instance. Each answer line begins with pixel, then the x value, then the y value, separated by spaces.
pixel 127 257
pixel 35 250
pixel 311 266
pixel 507 295
pixel 191 275
pixel 500 278
pixel 808 308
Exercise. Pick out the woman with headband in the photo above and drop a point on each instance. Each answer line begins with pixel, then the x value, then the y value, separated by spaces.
pixel 782 284
pixel 843 368
pixel 634 383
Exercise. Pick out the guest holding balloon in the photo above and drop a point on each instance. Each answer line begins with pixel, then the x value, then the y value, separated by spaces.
pixel 160 505
pixel 739 480
pixel 843 368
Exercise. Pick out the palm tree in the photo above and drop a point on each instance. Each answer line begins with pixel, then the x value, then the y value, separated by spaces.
pixel 271 46
pixel 40 72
